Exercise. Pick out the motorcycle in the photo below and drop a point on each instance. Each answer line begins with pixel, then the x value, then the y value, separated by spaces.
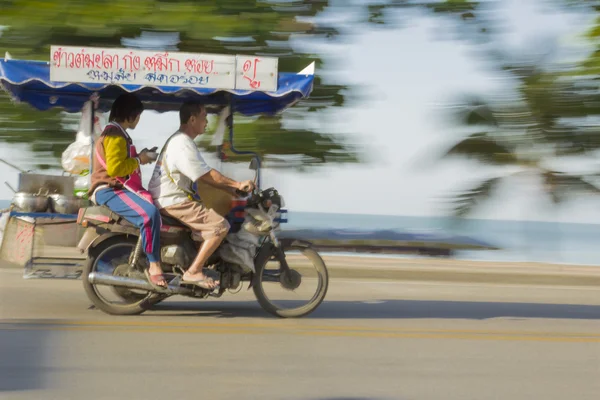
pixel 251 253
pixel 115 259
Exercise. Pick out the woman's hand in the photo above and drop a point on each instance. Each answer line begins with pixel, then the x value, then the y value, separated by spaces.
pixel 147 156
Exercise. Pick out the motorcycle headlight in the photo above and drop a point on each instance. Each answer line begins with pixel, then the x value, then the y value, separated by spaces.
pixel 258 223
pixel 257 228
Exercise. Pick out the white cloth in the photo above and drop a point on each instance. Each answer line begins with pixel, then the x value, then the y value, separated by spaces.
pixel 186 165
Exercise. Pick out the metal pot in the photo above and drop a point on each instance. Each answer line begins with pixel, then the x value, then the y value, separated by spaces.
pixel 30 202
pixel 61 204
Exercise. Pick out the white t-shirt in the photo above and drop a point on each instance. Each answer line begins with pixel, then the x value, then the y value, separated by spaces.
pixel 186 166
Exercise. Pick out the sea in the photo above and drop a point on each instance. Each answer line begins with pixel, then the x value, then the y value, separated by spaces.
pixel 519 241
pixel 522 241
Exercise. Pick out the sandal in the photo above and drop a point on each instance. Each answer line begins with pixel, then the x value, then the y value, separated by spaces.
pixel 155 280
pixel 204 283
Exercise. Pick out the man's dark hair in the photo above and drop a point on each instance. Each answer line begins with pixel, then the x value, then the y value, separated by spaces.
pixel 126 107
pixel 188 109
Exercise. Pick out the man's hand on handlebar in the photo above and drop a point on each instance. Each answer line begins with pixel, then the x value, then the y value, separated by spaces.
pixel 245 187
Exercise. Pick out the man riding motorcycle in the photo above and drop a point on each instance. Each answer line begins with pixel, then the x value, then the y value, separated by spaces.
pixel 179 165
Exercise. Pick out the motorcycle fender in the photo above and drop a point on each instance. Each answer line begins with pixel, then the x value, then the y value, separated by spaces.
pixel 295 242
pixel 87 239
pixel 93 236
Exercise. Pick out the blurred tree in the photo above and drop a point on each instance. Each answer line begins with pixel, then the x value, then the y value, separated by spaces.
pixel 219 26
pixel 264 27
pixel 590 66
pixel 223 26
pixel 46 133
pixel 527 137
pixel 546 120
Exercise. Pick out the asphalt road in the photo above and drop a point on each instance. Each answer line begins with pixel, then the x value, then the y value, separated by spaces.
pixel 369 340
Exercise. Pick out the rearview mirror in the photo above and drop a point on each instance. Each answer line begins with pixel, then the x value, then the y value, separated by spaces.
pixel 254 164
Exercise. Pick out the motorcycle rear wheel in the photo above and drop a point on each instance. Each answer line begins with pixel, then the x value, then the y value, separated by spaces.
pixel 135 303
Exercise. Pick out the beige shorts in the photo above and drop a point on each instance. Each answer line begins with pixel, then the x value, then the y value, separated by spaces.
pixel 204 222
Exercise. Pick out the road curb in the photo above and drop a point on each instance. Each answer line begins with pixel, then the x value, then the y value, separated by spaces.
pixel 467 276
pixel 432 270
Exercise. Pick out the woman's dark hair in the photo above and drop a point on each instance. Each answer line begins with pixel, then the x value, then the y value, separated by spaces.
pixel 126 107
pixel 188 109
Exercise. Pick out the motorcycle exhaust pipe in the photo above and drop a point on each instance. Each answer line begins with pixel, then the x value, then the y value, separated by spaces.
pixel 96 278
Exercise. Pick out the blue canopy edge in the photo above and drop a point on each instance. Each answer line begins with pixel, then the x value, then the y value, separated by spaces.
pixel 29 81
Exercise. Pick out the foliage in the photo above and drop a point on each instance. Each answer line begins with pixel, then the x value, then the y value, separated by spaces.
pixel 526 134
pixel 223 26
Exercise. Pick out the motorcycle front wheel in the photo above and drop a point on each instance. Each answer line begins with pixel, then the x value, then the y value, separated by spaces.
pixel 307 274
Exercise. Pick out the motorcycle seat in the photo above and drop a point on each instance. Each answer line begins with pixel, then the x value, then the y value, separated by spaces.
pixel 171 221
pixel 105 211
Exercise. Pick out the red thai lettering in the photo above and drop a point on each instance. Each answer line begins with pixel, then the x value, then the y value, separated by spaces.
pixel 190 65
pixel 208 66
pixel 199 66
pixel 131 62
pixel 78 60
pixel 162 61
pixel 88 61
pixel 110 61
pixel 58 56
pixel 172 61
pixel 250 67
pixel 149 63
pixel 97 60
pixel 70 60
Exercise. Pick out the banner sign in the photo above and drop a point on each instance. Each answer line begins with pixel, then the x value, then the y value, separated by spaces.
pixel 151 68
pixel 256 73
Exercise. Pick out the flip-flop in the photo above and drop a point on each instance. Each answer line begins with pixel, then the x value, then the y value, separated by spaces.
pixel 203 283
pixel 155 279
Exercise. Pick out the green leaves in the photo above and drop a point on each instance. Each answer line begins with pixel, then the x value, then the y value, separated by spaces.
pixel 534 129
pixel 464 7
pixel 43 132
pixel 544 121
pixel 267 137
pixel 484 148
pixel 213 26
pixel 477 112
pixel 467 201
pixel 561 186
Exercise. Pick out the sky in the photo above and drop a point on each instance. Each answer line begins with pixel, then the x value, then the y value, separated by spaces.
pixel 410 72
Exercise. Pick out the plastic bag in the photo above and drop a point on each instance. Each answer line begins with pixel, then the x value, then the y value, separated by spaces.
pixel 76 157
pixel 239 249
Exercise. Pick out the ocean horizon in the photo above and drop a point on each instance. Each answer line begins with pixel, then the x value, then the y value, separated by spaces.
pixel 524 241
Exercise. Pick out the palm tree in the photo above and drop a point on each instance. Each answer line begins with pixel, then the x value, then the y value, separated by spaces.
pixel 529 134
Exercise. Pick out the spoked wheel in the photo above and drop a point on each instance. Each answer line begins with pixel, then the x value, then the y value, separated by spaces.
pixel 296 292
pixel 111 257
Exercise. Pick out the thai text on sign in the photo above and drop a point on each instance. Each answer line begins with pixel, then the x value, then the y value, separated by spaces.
pixel 136 67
